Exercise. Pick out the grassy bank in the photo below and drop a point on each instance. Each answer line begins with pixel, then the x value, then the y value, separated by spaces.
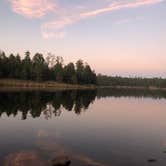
pixel 9 84
pixel 14 84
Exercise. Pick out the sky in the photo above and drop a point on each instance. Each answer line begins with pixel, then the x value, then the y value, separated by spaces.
pixel 116 37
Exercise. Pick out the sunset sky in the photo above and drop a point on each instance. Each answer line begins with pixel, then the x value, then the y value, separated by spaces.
pixel 116 37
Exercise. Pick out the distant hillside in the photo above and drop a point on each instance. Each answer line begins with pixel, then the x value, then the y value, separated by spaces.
pixel 138 82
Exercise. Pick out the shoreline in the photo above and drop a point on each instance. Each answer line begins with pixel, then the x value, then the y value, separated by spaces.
pixel 24 85
pixel 152 88
pixel 12 84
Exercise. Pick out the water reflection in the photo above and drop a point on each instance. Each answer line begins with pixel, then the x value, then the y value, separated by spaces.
pixel 137 93
pixel 36 103
pixel 51 104
pixel 121 128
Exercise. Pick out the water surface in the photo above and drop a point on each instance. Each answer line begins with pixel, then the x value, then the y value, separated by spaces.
pixel 103 127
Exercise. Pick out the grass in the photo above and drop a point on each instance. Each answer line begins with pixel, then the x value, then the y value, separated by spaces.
pixel 50 85
pixel 15 84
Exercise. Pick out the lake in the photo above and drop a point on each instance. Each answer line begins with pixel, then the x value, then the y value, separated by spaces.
pixel 104 127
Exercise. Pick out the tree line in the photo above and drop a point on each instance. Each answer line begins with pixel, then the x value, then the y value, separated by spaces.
pixel 51 68
pixel 104 80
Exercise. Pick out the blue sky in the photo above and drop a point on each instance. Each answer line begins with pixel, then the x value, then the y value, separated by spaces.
pixel 116 37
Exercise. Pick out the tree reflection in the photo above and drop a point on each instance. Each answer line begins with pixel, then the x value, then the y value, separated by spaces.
pixel 137 93
pixel 48 104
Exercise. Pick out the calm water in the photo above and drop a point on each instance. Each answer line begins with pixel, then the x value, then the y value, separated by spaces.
pixel 93 128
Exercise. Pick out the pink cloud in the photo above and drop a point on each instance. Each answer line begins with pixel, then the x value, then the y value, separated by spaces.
pixel 120 5
pixel 32 8
pixel 55 28
pixel 68 15
pixel 53 34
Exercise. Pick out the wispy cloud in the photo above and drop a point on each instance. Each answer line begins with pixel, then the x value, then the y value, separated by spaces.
pixel 65 16
pixel 55 27
pixel 52 33
pixel 32 8
pixel 120 5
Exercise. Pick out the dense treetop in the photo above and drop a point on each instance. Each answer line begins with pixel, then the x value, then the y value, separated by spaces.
pixel 39 68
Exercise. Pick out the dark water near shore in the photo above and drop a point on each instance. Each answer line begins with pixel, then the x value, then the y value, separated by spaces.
pixel 105 127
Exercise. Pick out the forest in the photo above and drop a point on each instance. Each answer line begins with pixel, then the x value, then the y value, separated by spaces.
pixel 51 68
pixel 104 80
